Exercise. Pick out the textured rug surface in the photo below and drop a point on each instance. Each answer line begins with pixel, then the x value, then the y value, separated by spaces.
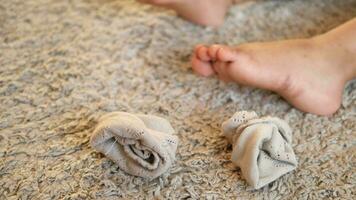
pixel 63 64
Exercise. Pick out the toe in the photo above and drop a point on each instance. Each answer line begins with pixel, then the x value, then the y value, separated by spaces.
pixel 227 54
pixel 202 53
pixel 213 50
pixel 202 67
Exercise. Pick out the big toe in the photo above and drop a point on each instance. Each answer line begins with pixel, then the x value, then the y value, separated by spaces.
pixel 227 54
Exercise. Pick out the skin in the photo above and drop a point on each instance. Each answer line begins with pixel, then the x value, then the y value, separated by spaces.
pixel 309 73
pixel 202 12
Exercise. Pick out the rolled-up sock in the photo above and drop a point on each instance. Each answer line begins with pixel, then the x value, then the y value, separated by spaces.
pixel 262 147
pixel 142 145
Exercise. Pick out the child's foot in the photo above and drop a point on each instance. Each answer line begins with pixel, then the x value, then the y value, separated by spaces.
pixel 310 74
pixel 203 12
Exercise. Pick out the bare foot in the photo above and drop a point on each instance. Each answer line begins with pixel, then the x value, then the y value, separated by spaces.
pixel 309 73
pixel 203 12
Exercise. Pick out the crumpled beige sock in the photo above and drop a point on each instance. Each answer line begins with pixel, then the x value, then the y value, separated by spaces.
pixel 262 147
pixel 142 145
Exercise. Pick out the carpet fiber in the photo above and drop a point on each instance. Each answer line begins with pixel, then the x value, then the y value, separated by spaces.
pixel 63 64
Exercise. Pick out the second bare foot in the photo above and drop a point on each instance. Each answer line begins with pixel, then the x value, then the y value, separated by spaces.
pixel 203 12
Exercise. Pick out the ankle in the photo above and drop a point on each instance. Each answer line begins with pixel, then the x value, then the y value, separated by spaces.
pixel 339 53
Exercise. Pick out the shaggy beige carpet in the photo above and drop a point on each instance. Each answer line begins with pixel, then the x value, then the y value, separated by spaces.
pixel 65 63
